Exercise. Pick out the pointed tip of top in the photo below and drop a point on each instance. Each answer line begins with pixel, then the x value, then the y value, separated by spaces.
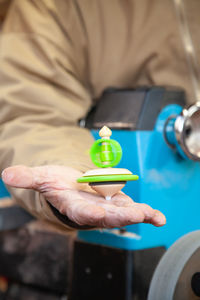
pixel 105 132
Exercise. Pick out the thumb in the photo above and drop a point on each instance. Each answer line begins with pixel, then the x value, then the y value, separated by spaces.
pixel 19 176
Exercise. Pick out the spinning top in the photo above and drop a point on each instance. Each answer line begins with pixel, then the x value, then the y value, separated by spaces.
pixel 106 153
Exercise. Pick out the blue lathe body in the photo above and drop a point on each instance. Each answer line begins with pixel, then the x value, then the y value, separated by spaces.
pixel 167 182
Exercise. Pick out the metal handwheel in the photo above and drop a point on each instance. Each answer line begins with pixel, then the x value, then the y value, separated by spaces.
pixel 177 276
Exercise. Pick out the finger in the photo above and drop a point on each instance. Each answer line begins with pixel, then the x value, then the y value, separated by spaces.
pixel 18 176
pixel 35 178
pixel 121 216
pixel 152 216
pixel 148 211
pixel 42 179
pixel 158 219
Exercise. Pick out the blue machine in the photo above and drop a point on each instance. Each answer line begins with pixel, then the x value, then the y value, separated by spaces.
pixel 167 181
pixel 3 190
pixel 161 143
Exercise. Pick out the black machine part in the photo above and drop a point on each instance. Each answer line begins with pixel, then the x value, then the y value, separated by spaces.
pixel 101 272
pixel 13 217
pixel 177 275
pixel 132 109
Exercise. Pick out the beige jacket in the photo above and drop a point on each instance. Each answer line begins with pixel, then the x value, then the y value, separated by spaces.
pixel 4 5
pixel 56 56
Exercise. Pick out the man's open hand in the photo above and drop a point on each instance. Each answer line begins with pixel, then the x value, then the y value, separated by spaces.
pixel 78 201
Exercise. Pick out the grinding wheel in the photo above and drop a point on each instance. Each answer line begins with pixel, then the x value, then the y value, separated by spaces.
pixel 177 276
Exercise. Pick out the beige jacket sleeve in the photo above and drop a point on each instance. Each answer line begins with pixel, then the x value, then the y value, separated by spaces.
pixel 4 5
pixel 43 92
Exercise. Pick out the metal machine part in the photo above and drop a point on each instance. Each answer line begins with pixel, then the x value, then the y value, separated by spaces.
pixel 182 132
pixel 187 130
pixel 187 126
pixel 177 275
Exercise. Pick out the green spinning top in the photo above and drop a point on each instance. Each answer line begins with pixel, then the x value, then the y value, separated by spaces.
pixel 106 153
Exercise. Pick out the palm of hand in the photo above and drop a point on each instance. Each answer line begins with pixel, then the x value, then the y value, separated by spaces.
pixel 78 201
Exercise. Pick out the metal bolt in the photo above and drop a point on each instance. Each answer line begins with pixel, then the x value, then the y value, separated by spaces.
pixel 87 270
pixel 109 275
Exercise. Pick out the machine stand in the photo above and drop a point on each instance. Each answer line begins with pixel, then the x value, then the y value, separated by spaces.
pixel 101 272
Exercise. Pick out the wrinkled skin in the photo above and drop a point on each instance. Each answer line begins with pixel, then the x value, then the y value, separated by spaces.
pixel 78 201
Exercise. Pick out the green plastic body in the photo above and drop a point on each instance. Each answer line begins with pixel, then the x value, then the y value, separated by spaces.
pixel 106 153
pixel 106 178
